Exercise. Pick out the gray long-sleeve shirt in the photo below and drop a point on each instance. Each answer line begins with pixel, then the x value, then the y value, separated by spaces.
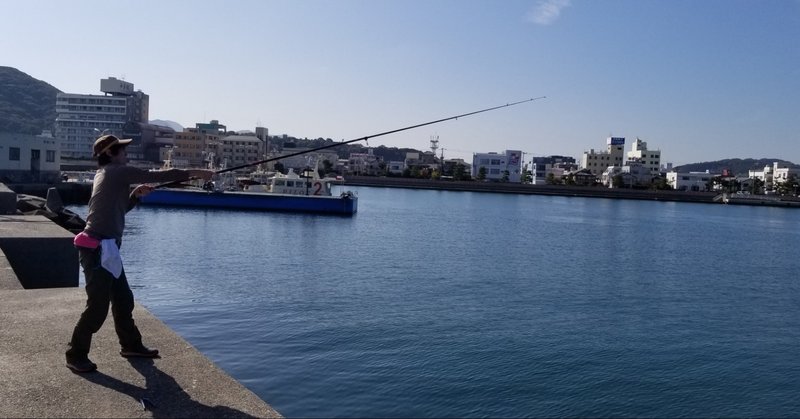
pixel 111 196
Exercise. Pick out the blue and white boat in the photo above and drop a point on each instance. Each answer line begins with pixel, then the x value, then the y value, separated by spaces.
pixel 287 193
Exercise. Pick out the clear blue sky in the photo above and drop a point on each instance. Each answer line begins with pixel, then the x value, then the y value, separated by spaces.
pixel 698 79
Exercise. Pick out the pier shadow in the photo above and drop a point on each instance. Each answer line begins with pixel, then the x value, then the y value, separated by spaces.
pixel 162 395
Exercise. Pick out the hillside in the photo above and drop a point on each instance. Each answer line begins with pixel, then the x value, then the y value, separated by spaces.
pixel 27 105
pixel 736 166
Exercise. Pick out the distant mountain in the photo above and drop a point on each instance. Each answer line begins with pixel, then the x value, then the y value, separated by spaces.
pixel 165 123
pixel 736 166
pixel 27 105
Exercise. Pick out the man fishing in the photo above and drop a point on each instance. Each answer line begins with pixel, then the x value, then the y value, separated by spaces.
pixel 98 250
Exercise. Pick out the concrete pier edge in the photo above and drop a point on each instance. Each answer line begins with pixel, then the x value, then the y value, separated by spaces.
pixel 36 322
pixel 36 326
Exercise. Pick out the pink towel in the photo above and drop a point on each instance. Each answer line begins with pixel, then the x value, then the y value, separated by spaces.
pixel 84 240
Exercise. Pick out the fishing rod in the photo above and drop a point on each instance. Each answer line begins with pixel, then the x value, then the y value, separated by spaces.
pixel 230 169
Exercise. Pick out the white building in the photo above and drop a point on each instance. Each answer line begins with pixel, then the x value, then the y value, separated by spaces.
pixel 650 159
pixel 29 158
pixel 773 175
pixel 396 167
pixel 691 181
pixel 598 161
pixel 543 167
pixel 496 165
pixel 633 173
pixel 313 160
pixel 79 115
pixel 364 163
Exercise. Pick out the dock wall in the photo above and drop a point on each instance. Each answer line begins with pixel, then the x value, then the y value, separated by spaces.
pixel 517 188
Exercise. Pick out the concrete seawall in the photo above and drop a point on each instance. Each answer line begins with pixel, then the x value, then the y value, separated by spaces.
pixel 516 188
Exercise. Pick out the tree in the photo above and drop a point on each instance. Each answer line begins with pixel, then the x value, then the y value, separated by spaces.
pixel 505 176
pixel 279 167
pixel 660 183
pixel 617 181
pixel 327 166
pixel 424 173
pixel 551 179
pixel 460 172
pixel 728 183
pixel 757 187
pixel 482 173
pixel 526 175
pixel 788 186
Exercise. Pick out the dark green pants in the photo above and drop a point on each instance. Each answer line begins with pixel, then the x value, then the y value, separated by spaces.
pixel 102 290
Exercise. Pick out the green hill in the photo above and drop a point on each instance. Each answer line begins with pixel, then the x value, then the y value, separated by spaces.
pixel 27 105
pixel 736 166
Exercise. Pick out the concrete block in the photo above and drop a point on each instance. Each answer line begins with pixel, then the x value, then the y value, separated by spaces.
pixel 54 203
pixel 40 252
pixel 8 200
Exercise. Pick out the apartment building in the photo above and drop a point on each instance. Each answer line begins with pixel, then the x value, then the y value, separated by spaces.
pixel 498 165
pixel 649 159
pixel 598 161
pixel 80 118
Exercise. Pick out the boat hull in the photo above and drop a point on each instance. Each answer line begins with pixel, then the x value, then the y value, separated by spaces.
pixel 343 205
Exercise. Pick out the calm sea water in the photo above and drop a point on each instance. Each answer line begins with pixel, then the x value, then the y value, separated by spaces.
pixel 457 304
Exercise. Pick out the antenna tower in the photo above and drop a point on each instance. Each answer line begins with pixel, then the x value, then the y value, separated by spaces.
pixel 434 143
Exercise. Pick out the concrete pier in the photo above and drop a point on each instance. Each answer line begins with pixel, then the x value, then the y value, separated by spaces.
pixel 35 326
pixel 36 322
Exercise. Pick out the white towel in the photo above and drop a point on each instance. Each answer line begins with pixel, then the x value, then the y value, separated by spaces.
pixel 110 257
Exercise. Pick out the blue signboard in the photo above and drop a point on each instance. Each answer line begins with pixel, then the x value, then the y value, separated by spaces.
pixel 616 141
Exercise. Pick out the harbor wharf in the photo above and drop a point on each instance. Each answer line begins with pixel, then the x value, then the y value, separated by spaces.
pixel 78 193
pixel 37 315
pixel 517 188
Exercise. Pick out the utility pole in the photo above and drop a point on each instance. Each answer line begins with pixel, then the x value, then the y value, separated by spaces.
pixel 441 163
pixel 434 147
